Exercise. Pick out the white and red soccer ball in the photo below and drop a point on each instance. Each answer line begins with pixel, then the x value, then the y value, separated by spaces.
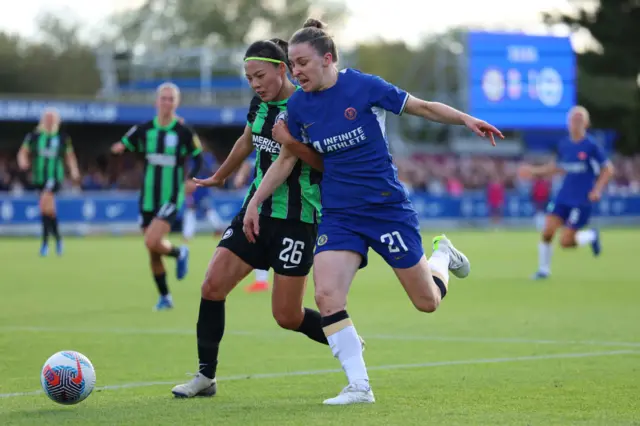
pixel 68 377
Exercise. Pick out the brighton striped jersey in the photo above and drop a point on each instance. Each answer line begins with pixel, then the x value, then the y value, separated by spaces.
pixel 298 198
pixel 48 151
pixel 165 149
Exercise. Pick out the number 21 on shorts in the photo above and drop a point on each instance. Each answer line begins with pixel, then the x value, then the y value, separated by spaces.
pixel 292 251
pixel 394 241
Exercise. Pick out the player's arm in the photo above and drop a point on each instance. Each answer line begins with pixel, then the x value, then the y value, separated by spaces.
pixel 305 153
pixel 24 152
pixel 546 170
pixel 71 160
pixel 240 151
pixel 277 174
pixel 606 173
pixel 129 142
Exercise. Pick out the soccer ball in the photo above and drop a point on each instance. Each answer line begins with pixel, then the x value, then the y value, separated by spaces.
pixel 68 377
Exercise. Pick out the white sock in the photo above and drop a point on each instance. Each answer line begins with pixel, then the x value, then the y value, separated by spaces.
pixel 345 345
pixel 586 236
pixel 189 224
pixel 545 250
pixel 439 263
pixel 262 275
pixel 215 219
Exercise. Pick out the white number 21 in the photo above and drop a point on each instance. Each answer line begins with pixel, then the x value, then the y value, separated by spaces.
pixel 394 239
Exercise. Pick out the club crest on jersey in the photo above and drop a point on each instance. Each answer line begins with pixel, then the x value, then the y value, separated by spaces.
pixel 582 155
pixel 350 113
pixel 171 140
pixel 227 233
pixel 322 240
pixel 281 116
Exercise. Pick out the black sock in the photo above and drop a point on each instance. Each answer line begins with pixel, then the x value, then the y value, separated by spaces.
pixel 53 223
pixel 334 318
pixel 312 326
pixel 175 252
pixel 441 286
pixel 45 229
pixel 161 283
pixel 210 331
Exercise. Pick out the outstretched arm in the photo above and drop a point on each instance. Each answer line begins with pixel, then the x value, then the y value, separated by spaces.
pixel 278 172
pixel 240 151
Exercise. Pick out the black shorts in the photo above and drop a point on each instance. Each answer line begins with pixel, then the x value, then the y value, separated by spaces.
pixel 167 213
pixel 284 245
pixel 50 185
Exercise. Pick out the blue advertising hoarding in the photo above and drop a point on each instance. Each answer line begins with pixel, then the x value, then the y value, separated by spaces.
pixel 113 113
pixel 519 81
pixel 117 211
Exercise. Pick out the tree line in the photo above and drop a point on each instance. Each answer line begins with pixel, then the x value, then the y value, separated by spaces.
pixel 60 63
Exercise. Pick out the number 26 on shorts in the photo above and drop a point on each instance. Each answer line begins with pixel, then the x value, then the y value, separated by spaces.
pixel 394 241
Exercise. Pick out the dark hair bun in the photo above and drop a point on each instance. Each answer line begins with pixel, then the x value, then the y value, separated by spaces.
pixel 314 23
pixel 281 44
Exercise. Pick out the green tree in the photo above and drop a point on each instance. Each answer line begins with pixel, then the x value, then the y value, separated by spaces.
pixel 608 73
pixel 59 65
pixel 190 23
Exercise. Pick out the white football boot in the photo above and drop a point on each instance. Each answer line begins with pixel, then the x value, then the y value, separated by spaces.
pixel 459 265
pixel 198 386
pixel 352 394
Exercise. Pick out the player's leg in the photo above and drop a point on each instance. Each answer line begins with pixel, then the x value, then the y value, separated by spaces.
pixel 575 235
pixel 289 312
pixel 291 246
pixel 231 262
pixel 189 223
pixel 156 241
pixel 554 221
pixel 333 273
pixel 340 252
pixel 49 219
pixel 261 283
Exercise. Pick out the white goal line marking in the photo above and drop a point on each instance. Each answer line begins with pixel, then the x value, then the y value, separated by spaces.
pixel 373 368
pixel 283 333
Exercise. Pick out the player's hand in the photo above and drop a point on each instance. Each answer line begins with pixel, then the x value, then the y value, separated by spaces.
pixel 251 223
pixel 280 133
pixel 212 180
pixel 24 165
pixel 595 195
pixel 118 148
pixel 525 171
pixel 483 129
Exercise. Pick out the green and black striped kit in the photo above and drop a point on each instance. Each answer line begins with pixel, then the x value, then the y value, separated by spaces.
pixel 165 149
pixel 48 151
pixel 298 198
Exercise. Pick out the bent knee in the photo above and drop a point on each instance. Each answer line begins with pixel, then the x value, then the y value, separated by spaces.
pixel 152 242
pixel 567 242
pixel 289 320
pixel 427 304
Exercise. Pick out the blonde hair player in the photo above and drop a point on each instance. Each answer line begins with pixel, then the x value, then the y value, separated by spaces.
pixel 586 170
pixel 45 150
pixel 164 143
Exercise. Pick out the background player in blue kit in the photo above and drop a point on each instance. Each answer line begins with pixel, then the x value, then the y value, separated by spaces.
pixel 342 116
pixel 587 171
pixel 201 200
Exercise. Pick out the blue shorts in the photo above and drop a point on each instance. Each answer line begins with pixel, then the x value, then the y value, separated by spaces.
pixel 573 217
pixel 391 230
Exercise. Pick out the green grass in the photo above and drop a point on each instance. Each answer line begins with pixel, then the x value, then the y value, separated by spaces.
pixel 500 350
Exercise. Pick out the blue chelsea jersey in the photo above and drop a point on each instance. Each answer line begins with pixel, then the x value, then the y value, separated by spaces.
pixel 581 162
pixel 346 125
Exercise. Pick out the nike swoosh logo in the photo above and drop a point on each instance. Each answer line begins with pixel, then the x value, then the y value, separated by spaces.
pixel 78 379
pixel 308 125
pixel 289 266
